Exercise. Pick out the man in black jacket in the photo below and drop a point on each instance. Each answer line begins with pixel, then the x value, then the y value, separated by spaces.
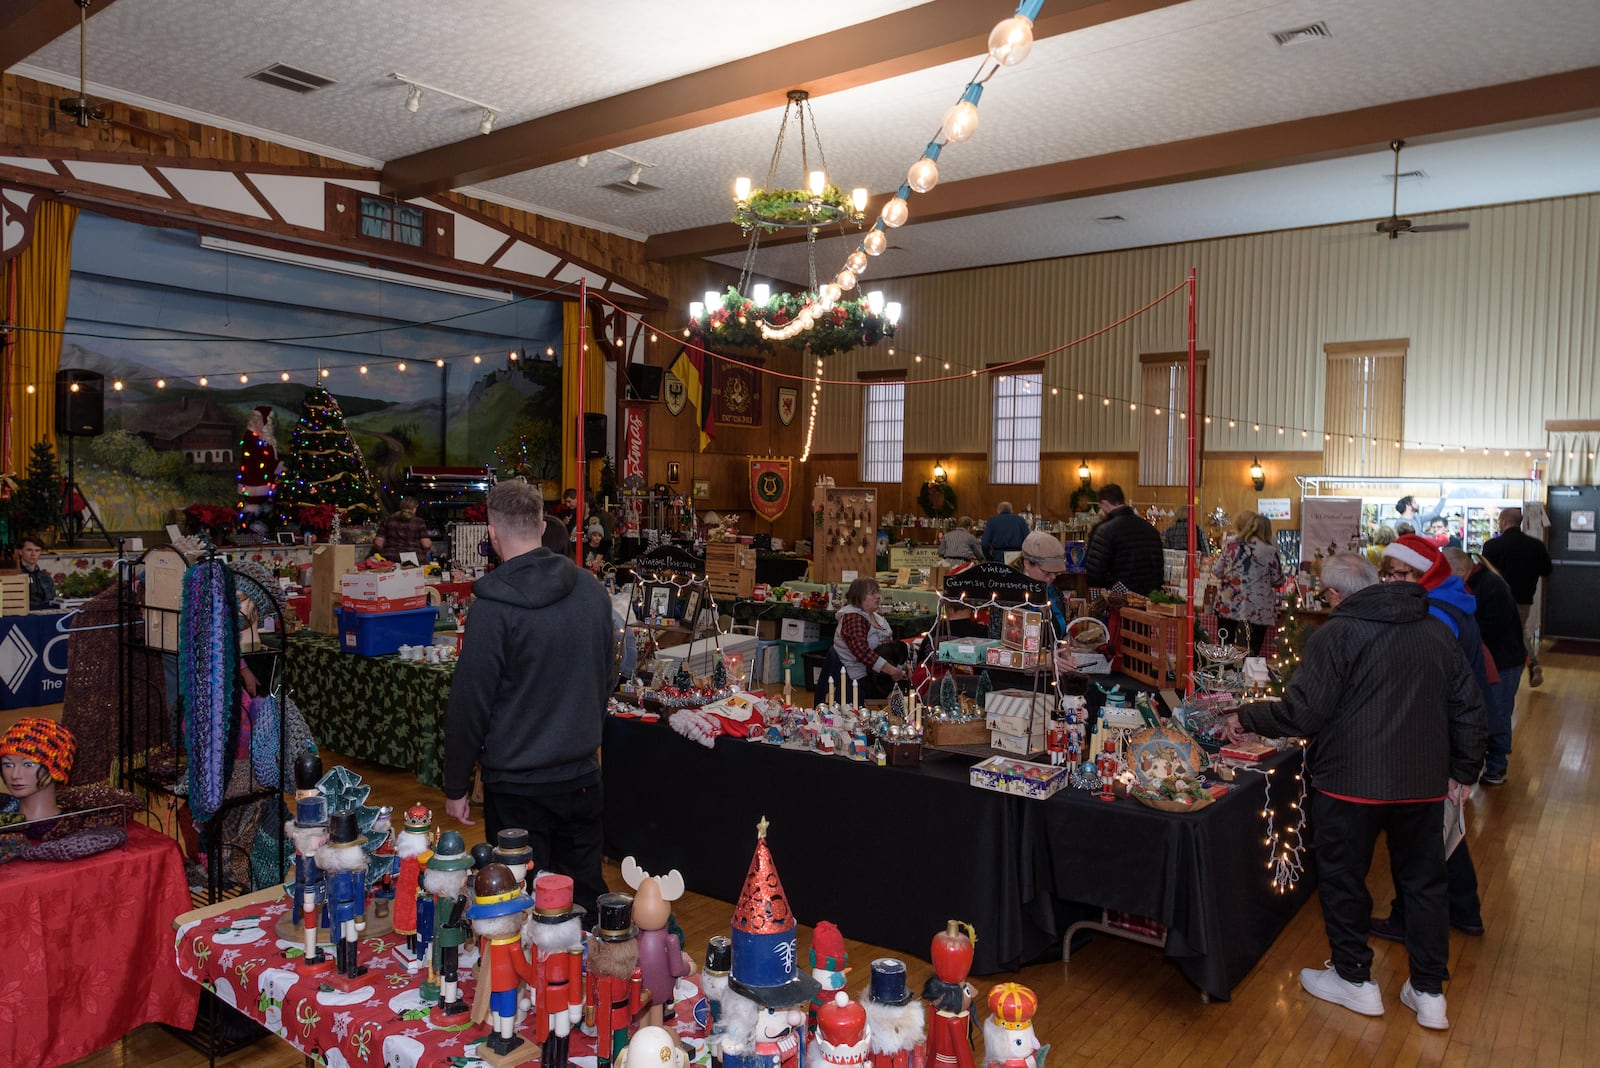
pixel 1124 547
pixel 1501 628
pixel 1394 723
pixel 529 697
pixel 1522 561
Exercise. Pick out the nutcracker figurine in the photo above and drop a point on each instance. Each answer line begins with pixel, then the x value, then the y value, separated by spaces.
pixel 412 847
pixel 714 975
pixel 613 994
pixel 1008 1037
pixel 830 963
pixel 765 1026
pixel 949 997
pixel 556 937
pixel 498 907
pixel 899 1026
pixel 511 848
pixel 1055 737
pixel 661 956
pixel 445 878
pixel 345 864
pixel 842 1034
pixel 309 832
pixel 1073 713
pixel 1106 765
pixel 654 1047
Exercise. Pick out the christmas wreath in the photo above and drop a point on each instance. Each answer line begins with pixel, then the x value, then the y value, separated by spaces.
pixel 1086 499
pixel 938 499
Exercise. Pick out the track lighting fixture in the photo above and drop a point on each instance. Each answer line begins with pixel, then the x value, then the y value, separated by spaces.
pixel 486 123
pixel 414 90
pixel 635 173
pixel 583 160
pixel 413 99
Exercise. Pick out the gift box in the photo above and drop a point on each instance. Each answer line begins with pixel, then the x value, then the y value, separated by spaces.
pixel 1008 775
pixel 1017 711
pixel 382 591
pixel 1011 659
pixel 965 650
pixel 1020 629
pixel 1021 744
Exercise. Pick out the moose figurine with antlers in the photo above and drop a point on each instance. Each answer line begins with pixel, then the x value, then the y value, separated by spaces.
pixel 661 956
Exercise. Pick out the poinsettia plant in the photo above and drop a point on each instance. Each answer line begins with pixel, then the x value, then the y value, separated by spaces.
pixel 214 519
pixel 316 517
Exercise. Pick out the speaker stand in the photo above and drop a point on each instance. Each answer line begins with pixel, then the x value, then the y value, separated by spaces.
pixel 72 521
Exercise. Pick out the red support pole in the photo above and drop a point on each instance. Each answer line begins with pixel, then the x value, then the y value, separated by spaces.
pixel 1189 556
pixel 583 468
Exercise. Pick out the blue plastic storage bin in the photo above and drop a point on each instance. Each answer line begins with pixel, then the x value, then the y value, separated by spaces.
pixel 383 633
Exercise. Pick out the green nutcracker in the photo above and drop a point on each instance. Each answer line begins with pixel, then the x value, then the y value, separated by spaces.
pixel 446 879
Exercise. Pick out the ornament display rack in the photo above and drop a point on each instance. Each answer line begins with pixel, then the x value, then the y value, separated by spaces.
pixel 845 532
pixel 669 514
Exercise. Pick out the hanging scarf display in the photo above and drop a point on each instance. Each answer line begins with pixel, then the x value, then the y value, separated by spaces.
pixel 208 681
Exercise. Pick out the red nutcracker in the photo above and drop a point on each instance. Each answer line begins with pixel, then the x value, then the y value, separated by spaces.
pixel 1106 765
pixel 556 935
pixel 898 1023
pixel 413 845
pixel 615 984
pixel 949 997
pixel 1055 738
pixel 498 907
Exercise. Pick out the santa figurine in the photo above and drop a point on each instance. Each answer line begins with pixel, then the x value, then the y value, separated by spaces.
pixel 763 1009
pixel 259 469
pixel 344 863
pixel 843 1037
pixel 949 997
pixel 412 847
pixel 554 934
pixel 830 963
pixel 614 988
pixel 1008 1038
pixel 445 879
pixel 661 956
pixel 898 1023
pixel 498 907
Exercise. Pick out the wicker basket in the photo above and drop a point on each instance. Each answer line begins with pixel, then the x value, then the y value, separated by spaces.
pixel 1087 634
pixel 1170 806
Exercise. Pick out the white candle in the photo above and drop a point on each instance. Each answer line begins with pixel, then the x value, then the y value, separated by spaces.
pixel 855 693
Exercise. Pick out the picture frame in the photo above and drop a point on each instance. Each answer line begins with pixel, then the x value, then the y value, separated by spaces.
pixel 672 472
pixel 691 607
pixel 702 489
pixel 658 601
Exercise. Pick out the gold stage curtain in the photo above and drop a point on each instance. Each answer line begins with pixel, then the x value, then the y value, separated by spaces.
pixel 43 273
pixel 594 389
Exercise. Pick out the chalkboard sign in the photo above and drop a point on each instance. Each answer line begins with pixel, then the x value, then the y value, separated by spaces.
pixel 988 580
pixel 666 558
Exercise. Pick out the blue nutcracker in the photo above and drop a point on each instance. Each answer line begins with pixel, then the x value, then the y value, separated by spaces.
pixel 309 832
pixel 344 863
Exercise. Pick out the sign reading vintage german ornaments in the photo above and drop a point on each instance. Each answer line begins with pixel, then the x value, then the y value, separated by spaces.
pixel 769 486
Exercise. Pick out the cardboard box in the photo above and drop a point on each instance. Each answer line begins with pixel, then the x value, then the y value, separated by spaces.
pixel 965 650
pixel 1011 659
pixel 383 591
pixel 1008 775
pixel 329 563
pixel 1021 629
pixel 800 630
pixel 1017 711
pixel 1021 744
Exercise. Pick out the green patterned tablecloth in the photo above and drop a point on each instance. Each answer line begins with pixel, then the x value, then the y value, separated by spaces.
pixel 383 709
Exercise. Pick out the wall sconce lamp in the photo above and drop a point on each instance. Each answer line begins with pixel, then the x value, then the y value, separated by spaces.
pixel 939 473
pixel 1258 477
pixel 1083 473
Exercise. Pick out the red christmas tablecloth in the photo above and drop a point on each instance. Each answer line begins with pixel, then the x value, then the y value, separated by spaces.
pixel 88 946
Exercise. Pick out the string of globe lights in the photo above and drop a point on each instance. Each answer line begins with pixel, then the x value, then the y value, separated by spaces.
pixel 955 369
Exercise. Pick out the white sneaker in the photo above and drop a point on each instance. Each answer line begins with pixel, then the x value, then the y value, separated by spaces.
pixel 1327 984
pixel 1428 1007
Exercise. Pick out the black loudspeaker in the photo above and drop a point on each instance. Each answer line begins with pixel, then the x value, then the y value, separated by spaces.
pixel 80 403
pixel 645 381
pixel 594 435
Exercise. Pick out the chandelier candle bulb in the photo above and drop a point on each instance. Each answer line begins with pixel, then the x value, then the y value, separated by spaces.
pixel 874 302
pixel 760 293
pixel 741 189
pixel 858 197
pixel 713 300
pixel 891 312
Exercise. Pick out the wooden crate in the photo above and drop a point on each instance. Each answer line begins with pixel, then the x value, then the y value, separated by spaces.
pixel 730 570
pixel 13 595
pixel 1149 646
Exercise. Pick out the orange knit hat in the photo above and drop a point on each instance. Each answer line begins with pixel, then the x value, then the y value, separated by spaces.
pixel 44 741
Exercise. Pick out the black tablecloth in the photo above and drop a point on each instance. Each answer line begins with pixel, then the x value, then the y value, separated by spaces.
pixel 889 854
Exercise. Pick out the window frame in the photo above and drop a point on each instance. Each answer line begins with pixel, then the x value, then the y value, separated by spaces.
pixel 872 466
pixel 1014 390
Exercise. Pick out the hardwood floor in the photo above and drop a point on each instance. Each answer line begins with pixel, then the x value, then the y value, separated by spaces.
pixel 1523 994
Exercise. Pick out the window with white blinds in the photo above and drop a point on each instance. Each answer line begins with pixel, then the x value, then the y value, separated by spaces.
pixel 883 432
pixel 1014 448
pixel 1164 417
pixel 1364 410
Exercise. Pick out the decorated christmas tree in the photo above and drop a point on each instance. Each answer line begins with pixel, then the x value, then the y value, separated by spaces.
pixel 325 472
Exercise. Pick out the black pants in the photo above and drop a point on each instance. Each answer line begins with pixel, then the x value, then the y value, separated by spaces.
pixel 1231 630
pixel 1346 834
pixel 1461 881
pixel 563 829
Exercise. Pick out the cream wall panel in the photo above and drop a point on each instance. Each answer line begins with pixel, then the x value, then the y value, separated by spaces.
pixel 1503 321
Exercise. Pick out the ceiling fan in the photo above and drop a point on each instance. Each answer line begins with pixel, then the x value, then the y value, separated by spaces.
pixel 80 107
pixel 1394 226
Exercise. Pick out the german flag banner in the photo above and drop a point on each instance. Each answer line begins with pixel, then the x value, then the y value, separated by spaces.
pixel 692 367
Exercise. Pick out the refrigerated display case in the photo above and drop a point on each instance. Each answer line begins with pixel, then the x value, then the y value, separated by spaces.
pixel 1470 507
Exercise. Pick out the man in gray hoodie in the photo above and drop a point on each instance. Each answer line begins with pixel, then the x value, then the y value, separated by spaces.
pixel 529 697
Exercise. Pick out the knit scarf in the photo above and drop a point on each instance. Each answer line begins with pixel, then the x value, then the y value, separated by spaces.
pixel 208 681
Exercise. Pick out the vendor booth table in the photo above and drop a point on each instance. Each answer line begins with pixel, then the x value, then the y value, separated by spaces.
pixel 91 950
pixel 890 854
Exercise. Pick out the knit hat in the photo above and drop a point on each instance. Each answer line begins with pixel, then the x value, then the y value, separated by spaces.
pixel 1044 550
pixel 1422 555
pixel 43 741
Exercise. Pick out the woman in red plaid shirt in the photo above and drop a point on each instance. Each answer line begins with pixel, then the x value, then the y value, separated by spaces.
pixel 865 643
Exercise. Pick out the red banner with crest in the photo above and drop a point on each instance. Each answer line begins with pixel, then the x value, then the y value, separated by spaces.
pixel 770 482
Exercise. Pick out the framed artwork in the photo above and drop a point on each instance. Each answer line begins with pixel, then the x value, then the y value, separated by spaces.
pixel 659 600
pixel 672 472
pixel 691 607
pixel 702 489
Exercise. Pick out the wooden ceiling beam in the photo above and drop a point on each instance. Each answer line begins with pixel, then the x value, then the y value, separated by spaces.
pixel 941 31
pixel 28 25
pixel 1569 95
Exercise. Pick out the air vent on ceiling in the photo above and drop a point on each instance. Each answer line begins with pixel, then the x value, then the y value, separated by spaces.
pixel 1110 219
pixel 1404 176
pixel 1316 31
pixel 291 78
pixel 631 190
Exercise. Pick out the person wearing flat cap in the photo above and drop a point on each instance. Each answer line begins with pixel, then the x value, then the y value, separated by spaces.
pixel 1044 559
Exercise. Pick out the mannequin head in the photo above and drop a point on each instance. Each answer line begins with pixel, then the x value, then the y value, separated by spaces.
pixel 36 756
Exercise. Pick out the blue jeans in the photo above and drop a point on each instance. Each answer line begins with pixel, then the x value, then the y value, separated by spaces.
pixel 1502 700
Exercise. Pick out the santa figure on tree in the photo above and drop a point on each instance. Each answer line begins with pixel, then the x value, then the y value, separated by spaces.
pixel 259 468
